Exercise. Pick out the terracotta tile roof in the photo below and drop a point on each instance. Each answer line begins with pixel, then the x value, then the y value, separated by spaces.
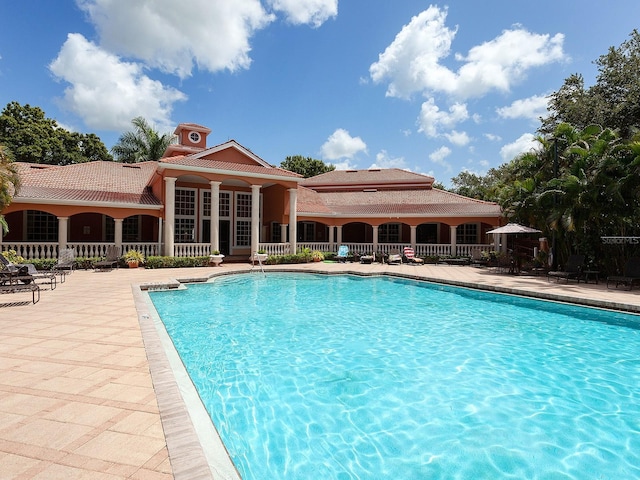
pixel 388 176
pixel 91 181
pixel 309 201
pixel 432 202
pixel 190 161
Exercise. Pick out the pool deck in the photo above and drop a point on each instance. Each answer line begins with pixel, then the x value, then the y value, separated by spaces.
pixel 87 391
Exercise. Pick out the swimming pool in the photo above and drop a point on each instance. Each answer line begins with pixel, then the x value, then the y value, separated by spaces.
pixel 309 376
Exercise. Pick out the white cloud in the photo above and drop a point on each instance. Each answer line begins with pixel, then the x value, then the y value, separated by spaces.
pixel 458 138
pixel 531 108
pixel 212 34
pixel 341 145
pixel 431 118
pixel 413 61
pixel 302 12
pixel 439 156
pixel 493 137
pixel 107 92
pixel 525 143
pixel 383 160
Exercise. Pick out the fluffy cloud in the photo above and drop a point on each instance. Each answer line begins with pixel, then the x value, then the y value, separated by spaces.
pixel 341 145
pixel 440 155
pixel 213 35
pixel 432 119
pixel 107 92
pixel 383 160
pixel 532 108
pixel 413 61
pixel 458 138
pixel 525 143
pixel 313 12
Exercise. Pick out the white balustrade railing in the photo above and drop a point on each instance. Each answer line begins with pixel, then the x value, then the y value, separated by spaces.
pixel 32 250
pixel 275 248
pixel 192 249
pixel 43 250
pixel 319 246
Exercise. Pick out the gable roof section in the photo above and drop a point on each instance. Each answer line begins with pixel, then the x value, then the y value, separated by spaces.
pixel 115 183
pixel 213 160
pixel 385 203
pixel 357 179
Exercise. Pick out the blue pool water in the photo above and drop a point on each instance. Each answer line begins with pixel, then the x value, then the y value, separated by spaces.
pixel 342 377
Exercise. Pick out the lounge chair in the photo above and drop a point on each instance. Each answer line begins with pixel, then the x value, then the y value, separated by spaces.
pixel 110 261
pixel 572 269
pixel 14 278
pixel 410 255
pixel 394 258
pixel 367 258
pixel 66 262
pixel 27 272
pixel 630 276
pixel 343 253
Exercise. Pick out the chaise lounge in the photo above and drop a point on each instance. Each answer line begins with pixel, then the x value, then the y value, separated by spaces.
pixel 572 269
pixel 630 276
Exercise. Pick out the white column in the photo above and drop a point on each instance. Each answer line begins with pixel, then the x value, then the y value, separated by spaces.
pixel 169 215
pixel 339 235
pixel 117 233
pixel 159 252
pixel 293 219
pixel 215 215
pixel 413 236
pixel 255 218
pixel 375 238
pixel 453 228
pixel 63 224
pixel 284 228
pixel 332 231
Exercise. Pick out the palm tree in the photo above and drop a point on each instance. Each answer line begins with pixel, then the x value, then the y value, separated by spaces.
pixel 9 184
pixel 142 145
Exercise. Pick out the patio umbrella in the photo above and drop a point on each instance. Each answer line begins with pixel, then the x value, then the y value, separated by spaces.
pixel 514 228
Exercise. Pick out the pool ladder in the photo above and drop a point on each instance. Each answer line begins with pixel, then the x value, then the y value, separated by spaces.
pixel 257 257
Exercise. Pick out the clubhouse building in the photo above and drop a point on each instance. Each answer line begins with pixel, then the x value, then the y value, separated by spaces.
pixel 198 199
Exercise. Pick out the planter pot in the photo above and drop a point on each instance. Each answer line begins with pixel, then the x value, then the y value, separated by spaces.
pixel 216 259
pixel 133 264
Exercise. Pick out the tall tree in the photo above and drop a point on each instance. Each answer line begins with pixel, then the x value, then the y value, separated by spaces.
pixel 612 102
pixel 9 184
pixel 306 166
pixel 142 144
pixel 34 138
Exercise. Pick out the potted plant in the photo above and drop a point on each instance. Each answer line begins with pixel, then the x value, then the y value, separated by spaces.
pixel 317 256
pixel 261 255
pixel 216 258
pixel 133 258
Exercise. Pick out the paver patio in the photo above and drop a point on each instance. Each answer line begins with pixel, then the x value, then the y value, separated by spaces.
pixel 77 400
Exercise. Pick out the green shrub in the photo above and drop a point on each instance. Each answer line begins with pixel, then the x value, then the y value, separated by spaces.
pixel 176 262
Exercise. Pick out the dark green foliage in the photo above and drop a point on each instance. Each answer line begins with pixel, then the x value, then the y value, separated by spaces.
pixel 306 166
pixel 34 138
pixel 175 262
pixel 143 144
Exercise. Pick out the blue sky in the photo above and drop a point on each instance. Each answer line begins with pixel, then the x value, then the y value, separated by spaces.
pixel 435 88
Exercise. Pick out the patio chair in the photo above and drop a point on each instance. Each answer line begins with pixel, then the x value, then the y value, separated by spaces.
pixel 394 258
pixel 27 272
pixel 110 261
pixel 572 269
pixel 410 255
pixel 630 275
pixel 343 253
pixel 66 262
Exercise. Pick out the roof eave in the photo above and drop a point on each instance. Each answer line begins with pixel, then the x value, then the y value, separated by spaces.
pixel 84 203
pixel 218 171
